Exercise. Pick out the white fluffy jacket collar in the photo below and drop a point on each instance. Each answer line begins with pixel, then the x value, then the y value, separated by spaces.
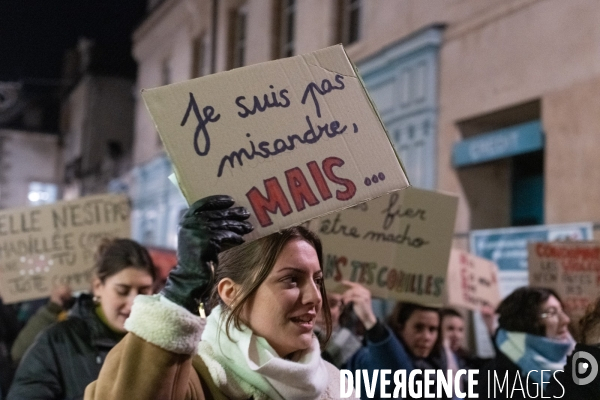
pixel 248 367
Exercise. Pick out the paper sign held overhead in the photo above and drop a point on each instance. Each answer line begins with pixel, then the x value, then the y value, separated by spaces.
pixel 396 245
pixel 289 140
pixel 472 281
pixel 42 247
pixel 572 269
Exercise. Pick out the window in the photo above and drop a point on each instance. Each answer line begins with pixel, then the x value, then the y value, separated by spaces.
pixel 199 57
pixel 165 79
pixel 527 189
pixel 284 26
pixel 165 72
pixel 41 193
pixel 237 35
pixel 349 21
pixel 149 226
pixel 503 174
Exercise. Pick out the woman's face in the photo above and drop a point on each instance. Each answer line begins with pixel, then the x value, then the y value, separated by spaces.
pixel 453 331
pixel 284 308
pixel 420 332
pixel 554 319
pixel 118 291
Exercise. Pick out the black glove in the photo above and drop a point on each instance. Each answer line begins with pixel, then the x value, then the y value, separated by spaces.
pixel 208 227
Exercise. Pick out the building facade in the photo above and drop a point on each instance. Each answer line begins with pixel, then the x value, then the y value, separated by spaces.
pixel 494 101
pixel 29 168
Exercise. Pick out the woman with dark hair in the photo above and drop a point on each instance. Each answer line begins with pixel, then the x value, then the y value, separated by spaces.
pixel 411 340
pixel 453 338
pixel 532 342
pixel 453 330
pixel 258 341
pixel 68 355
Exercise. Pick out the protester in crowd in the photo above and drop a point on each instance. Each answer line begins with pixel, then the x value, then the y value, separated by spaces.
pixel 55 310
pixel 453 330
pixel 453 335
pixel 258 342
pixel 343 343
pixel 411 340
pixel 564 386
pixel 453 338
pixel 532 341
pixel 9 328
pixel 67 356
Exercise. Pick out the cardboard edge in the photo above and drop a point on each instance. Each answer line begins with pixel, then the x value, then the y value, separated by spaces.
pixel 376 111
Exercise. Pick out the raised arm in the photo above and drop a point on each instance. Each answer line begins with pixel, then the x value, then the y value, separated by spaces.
pixel 155 358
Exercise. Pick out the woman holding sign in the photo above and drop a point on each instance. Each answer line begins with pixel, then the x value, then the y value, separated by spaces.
pixel 258 342
pixel 68 355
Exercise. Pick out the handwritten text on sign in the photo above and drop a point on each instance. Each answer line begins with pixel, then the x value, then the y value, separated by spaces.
pixel 41 247
pixel 290 139
pixel 472 281
pixel 397 245
pixel 570 268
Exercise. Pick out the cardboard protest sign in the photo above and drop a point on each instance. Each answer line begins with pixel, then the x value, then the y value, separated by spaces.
pixel 572 269
pixel 42 247
pixel 289 140
pixel 472 281
pixel 396 245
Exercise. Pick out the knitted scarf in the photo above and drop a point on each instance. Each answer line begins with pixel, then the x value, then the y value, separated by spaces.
pixel 533 352
pixel 247 366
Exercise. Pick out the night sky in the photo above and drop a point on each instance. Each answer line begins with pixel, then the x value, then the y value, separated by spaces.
pixel 35 33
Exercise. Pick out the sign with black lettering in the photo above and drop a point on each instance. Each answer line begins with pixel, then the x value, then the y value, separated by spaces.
pixel 289 140
pixel 45 246
pixel 572 269
pixel 396 245
pixel 472 281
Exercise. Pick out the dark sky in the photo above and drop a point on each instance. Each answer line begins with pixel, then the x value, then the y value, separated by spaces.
pixel 35 33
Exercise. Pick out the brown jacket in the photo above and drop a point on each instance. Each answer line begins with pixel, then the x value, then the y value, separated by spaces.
pixel 138 370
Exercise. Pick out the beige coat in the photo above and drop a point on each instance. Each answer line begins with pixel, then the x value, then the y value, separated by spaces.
pixel 160 358
pixel 138 370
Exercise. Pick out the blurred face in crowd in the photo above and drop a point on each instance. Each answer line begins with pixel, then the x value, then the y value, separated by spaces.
pixel 336 305
pixel 554 319
pixel 285 306
pixel 453 331
pixel 420 332
pixel 117 292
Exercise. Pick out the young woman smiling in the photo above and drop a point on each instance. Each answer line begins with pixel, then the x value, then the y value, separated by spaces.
pixel 68 355
pixel 258 341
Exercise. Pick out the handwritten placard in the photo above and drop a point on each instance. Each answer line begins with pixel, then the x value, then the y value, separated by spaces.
pixel 290 139
pixel 572 269
pixel 396 245
pixel 45 246
pixel 472 281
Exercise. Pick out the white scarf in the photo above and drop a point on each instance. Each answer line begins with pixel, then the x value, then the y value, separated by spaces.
pixel 248 366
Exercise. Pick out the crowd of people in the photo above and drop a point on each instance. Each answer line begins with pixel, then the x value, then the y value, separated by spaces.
pixel 254 321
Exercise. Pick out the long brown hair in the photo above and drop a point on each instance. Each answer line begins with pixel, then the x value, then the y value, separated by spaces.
pixel 249 265
pixel 589 324
pixel 114 255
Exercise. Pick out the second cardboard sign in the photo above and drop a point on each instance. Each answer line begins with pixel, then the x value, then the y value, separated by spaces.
pixel 397 245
